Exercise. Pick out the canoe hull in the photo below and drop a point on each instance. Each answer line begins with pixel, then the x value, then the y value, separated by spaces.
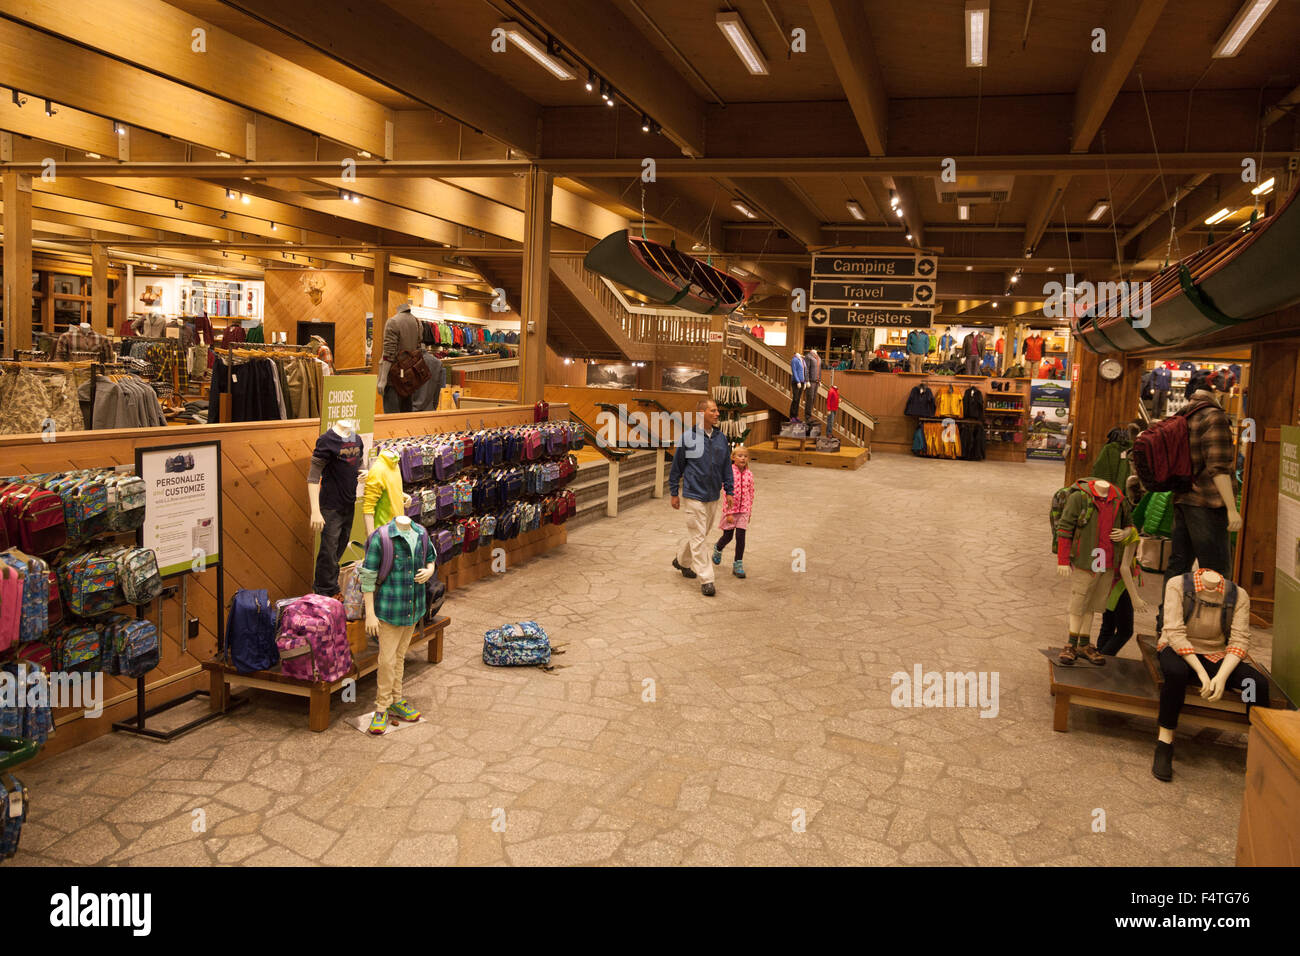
pixel 666 276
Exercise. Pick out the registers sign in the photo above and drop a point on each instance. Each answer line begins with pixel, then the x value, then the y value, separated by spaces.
pixel 868 288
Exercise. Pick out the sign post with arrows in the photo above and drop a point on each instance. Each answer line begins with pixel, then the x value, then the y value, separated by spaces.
pixel 868 288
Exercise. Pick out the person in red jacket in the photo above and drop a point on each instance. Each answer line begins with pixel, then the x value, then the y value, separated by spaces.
pixel 832 406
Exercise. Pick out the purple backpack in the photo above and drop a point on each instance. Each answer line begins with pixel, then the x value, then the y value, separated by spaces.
pixel 313 639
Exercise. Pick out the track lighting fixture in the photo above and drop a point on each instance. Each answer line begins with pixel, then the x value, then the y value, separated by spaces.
pixel 645 123
pixel 243 198
pixel 230 194
pixel 591 80
pixel 49 108
pixel 118 128
pixel 178 203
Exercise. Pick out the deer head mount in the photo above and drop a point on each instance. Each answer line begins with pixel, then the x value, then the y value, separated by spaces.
pixel 313 284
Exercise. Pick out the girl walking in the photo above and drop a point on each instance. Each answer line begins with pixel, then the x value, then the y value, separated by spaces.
pixel 735 519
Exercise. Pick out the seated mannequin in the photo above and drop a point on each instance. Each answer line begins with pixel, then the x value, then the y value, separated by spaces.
pixel 1096 519
pixel 1206 634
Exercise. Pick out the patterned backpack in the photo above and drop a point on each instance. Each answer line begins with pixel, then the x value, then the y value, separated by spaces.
pixel 34 617
pixel 133 646
pixel 445 545
pixel 85 502
pixel 137 573
pixel 90 584
pixel 77 648
pixel 464 492
pixel 126 495
pixel 518 645
pixel 313 640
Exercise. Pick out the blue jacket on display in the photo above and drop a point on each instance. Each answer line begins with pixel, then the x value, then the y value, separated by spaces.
pixel 798 373
pixel 701 465
pixel 918 343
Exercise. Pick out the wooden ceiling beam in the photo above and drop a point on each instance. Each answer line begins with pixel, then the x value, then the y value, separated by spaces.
pixel 1040 213
pixel 599 33
pixel 159 38
pixel 1128 24
pixel 1153 243
pixel 844 30
pixel 73 128
pixel 49 68
pixel 400 54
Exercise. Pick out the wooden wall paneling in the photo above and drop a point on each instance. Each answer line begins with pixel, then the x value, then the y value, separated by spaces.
pixel 346 301
pixel 1097 406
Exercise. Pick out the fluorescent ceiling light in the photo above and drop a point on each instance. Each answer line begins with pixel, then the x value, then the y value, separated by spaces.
pixel 1264 188
pixel 963 212
pixel 977 32
pixel 526 42
pixel 855 210
pixel 1243 25
pixel 1098 210
pixel 1219 216
pixel 737 34
pixel 744 210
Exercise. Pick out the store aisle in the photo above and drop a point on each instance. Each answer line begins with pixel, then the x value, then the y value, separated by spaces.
pixel 690 730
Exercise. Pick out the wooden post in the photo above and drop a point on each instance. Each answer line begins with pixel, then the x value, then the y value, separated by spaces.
pixel 17 262
pixel 536 288
pixel 611 501
pixel 1098 406
pixel 99 288
pixel 717 327
pixel 379 308
pixel 658 490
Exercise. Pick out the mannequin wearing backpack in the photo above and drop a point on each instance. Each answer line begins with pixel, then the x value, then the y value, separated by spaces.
pixel 1093 524
pixel 1206 635
pixel 399 562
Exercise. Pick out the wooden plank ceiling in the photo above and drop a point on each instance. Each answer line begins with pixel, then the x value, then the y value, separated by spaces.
pixel 885 92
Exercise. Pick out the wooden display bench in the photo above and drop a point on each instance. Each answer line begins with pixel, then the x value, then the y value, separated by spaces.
pixel 849 457
pixel 222 676
pixel 799 443
pixel 1133 687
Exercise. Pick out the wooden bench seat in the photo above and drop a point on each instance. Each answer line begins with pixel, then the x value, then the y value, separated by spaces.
pixel 222 676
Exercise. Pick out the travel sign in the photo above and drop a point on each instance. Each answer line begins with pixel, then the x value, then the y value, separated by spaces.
pixel 849 292
pixel 853 317
pixel 884 265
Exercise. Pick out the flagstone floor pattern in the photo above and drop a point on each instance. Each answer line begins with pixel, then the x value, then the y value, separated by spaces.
pixel 752 728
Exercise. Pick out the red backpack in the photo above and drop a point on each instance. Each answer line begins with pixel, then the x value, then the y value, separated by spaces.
pixel 1162 455
pixel 38 517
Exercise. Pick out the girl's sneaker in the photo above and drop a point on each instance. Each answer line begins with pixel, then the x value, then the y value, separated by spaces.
pixel 738 568
pixel 717 556
pixel 402 710
pixel 379 722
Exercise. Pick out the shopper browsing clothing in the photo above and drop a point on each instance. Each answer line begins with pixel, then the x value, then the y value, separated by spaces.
pixel 701 470
pixel 735 517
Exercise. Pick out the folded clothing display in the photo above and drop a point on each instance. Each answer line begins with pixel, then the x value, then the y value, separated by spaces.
pixel 34 400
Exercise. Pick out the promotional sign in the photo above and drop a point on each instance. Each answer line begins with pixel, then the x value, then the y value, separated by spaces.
pixel 829 292
pixel 847 316
pixel 182 510
pixel 1049 416
pixel 1286 588
pixel 351 398
pixel 884 265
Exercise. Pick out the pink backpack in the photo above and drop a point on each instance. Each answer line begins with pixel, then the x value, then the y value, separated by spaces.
pixel 313 639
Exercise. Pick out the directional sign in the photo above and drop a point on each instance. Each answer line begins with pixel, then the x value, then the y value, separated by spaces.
pixel 854 265
pixel 847 317
pixel 851 292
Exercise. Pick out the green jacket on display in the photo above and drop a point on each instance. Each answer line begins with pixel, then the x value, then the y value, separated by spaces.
pixel 1078 528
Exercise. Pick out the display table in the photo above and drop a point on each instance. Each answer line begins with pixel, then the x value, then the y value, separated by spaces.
pixel 801 444
pixel 1269 833
pixel 223 676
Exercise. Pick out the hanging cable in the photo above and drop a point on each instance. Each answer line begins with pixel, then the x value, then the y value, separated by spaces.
pixel 1172 242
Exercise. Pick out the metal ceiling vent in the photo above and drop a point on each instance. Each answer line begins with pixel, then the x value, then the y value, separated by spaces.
pixel 974 190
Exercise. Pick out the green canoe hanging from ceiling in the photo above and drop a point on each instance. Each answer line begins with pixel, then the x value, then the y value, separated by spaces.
pixel 666 276
pixel 1246 275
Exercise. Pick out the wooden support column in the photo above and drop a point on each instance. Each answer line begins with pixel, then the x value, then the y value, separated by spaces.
pixel 380 309
pixel 717 326
pixel 1099 406
pixel 99 288
pixel 17 262
pixel 536 287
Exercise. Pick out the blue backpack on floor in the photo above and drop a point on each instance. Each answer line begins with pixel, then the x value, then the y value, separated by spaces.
pixel 518 645
pixel 250 632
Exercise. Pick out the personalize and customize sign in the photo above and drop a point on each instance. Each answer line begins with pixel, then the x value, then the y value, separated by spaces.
pixel 848 316
pixel 832 292
pixel 902 264
pixel 182 509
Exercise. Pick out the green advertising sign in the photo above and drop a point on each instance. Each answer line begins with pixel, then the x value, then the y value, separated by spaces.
pixel 1286 591
pixel 351 398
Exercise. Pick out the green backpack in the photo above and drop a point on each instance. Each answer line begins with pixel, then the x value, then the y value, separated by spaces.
pixel 1058 508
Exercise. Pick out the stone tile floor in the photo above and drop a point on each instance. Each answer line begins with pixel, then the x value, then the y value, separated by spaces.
pixel 697 731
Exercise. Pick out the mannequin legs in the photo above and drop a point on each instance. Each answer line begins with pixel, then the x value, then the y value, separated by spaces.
pixel 1200 535
pixel 393 644
pixel 1178 674
pixel 333 542
pixel 809 398
pixel 795 391
pixel 1116 626
pixel 915 362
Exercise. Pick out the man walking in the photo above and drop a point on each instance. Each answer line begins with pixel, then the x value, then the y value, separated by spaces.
pixel 702 464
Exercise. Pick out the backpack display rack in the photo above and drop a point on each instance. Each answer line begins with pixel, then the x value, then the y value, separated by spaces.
pixel 14 797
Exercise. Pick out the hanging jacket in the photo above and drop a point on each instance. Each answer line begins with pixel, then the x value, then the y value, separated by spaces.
pixel 920 402
pixel 972 401
pixel 1113 462
pixel 950 404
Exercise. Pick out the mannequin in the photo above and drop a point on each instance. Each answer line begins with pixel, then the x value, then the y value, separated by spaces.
pixel 798 379
pixel 1205 515
pixel 83 338
pixel 1210 644
pixel 1094 508
pixel 972 348
pixel 400 605
pixel 813 361
pixel 918 346
pixel 332 481
pixel 384 498
pixel 401 334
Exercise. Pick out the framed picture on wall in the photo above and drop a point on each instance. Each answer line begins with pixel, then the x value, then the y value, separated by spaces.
pixel 683 378
pixel 611 375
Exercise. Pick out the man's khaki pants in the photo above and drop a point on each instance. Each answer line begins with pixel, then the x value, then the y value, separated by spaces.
pixel 393 644
pixel 915 361
pixel 701 517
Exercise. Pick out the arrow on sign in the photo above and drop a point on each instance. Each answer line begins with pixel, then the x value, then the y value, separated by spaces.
pixel 819 316
pixel 924 292
pixel 925 267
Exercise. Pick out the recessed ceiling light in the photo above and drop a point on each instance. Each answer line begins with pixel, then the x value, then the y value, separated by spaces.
pixel 744 210
pixel 526 42
pixel 969 268
pixel 1243 25
pixel 977 32
pixel 737 34
pixel 855 210
pixel 1264 188
pixel 1219 216
pixel 1098 210
pixel 963 212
